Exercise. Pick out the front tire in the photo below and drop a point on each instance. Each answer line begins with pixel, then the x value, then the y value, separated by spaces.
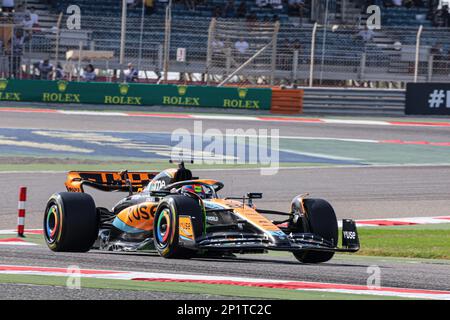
pixel 70 222
pixel 322 221
pixel 166 225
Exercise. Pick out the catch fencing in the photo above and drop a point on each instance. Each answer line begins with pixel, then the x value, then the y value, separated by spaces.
pixel 168 49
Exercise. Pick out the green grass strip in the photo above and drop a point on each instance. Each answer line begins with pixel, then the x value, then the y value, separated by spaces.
pixel 432 242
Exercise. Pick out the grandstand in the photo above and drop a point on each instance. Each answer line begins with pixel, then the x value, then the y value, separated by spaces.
pixel 341 54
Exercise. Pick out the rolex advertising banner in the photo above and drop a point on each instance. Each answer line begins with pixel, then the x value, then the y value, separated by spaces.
pixel 134 94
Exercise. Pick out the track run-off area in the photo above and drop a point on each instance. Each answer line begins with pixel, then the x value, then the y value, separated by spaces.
pixel 366 168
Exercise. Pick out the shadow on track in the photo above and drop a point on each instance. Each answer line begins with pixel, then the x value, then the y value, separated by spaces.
pixel 248 260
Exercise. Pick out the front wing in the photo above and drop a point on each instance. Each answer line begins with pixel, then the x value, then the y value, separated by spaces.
pixel 241 241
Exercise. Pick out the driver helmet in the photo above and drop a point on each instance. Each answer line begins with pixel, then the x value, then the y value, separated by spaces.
pixel 195 188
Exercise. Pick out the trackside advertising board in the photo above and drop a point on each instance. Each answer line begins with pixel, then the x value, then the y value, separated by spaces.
pixel 134 94
pixel 428 98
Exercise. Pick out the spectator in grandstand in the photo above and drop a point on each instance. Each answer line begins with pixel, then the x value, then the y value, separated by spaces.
pixel 296 8
pixel 3 59
pixel 34 17
pixel 438 53
pixel 59 72
pixel 45 69
pixel 217 12
pixel 19 14
pixel 445 16
pixel 366 34
pixel 241 46
pixel 262 3
pixel 8 5
pixel 241 11
pixel 217 46
pixel 297 46
pixel 218 50
pixel 27 23
pixel 131 4
pixel 192 4
pixel 441 17
pixel 16 45
pixel 397 3
pixel 89 73
pixel 408 3
pixel 229 10
pixel 149 6
pixel 276 4
pixel 131 74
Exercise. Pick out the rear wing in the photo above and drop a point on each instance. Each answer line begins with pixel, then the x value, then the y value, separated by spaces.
pixel 108 180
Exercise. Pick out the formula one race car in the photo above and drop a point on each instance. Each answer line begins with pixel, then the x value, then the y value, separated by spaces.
pixel 181 216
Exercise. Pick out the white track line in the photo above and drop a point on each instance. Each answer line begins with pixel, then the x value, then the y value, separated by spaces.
pixel 267 118
pixel 236 281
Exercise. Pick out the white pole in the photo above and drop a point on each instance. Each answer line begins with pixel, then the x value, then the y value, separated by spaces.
pixel 313 46
pixel 323 40
pixel 58 35
pixel 416 66
pixel 167 40
pixel 80 57
pixel 274 52
pixel 123 37
pixel 209 53
pixel 295 67
pixel 141 35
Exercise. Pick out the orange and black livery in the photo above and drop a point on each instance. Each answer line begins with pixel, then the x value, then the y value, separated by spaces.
pixel 181 216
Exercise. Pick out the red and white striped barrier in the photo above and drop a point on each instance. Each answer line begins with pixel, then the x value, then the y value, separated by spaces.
pixel 21 207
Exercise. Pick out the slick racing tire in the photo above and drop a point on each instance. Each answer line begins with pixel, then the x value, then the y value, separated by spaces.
pixel 70 222
pixel 166 225
pixel 322 221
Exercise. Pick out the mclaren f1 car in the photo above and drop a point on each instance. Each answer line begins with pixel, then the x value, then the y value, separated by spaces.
pixel 181 216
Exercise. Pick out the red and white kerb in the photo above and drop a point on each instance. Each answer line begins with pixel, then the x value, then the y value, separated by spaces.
pixel 21 207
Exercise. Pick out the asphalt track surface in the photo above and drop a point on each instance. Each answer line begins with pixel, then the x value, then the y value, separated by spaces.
pixel 355 192
pixel 149 124
pixel 342 269
pixel 358 192
pixel 34 292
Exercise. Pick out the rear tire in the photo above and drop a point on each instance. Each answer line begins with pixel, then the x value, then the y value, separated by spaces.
pixel 70 222
pixel 166 225
pixel 322 221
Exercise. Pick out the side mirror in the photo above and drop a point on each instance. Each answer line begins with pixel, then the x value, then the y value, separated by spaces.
pixel 254 195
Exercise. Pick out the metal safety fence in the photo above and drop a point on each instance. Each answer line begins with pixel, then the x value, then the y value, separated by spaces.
pixel 226 51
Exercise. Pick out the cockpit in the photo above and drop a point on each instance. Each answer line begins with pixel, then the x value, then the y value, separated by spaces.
pixel 204 191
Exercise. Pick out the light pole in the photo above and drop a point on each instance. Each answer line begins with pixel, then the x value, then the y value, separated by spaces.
pixel 324 40
pixel 141 37
pixel 123 37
